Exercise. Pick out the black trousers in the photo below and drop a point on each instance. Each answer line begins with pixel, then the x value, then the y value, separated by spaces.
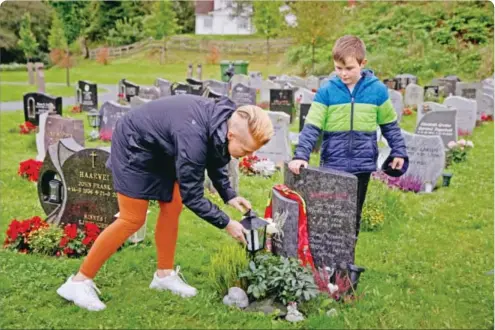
pixel 363 180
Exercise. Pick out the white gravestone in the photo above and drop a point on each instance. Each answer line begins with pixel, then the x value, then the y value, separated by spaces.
pixel 278 150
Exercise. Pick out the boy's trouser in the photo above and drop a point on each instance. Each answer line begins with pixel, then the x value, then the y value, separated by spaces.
pixel 132 217
pixel 363 179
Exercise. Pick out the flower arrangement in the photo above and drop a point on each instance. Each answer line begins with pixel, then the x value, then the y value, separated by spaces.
pixel 76 109
pixel 247 163
pixel 485 117
pixel 335 283
pixel 407 111
pixel 457 151
pixel 106 136
pixel 35 235
pixel 27 128
pixel 30 169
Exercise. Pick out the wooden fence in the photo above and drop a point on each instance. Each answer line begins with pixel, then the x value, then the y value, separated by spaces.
pixel 254 46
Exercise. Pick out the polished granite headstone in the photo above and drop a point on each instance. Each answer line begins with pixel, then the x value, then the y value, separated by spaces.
pixel 285 214
pixel 243 95
pixel 87 95
pixel 282 100
pixel 331 202
pixel 75 186
pixel 37 103
pixel 110 112
pixel 442 123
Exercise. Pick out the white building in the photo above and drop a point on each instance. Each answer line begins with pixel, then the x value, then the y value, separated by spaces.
pixel 214 17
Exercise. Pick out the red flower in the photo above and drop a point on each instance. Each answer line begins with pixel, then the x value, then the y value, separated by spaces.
pixel 30 169
pixel 68 251
pixel 63 241
pixel 13 230
pixel 71 231
pixel 87 240
pixel 27 128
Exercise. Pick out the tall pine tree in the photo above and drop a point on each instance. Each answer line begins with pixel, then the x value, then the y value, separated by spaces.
pixel 27 40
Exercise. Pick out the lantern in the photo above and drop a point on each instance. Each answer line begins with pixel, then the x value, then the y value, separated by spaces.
pixel 55 191
pixel 94 118
pixel 446 179
pixel 256 232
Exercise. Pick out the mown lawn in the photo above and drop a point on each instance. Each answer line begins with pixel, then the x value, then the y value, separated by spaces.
pixel 427 267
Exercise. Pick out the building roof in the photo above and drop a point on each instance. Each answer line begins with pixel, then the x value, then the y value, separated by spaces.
pixel 204 6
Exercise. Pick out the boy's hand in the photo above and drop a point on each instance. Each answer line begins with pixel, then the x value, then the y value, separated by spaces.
pixel 240 203
pixel 397 163
pixel 295 165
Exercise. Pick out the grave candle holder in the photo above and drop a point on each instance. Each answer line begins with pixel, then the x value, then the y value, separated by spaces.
pixel 94 121
pixel 256 232
pixel 446 179
pixel 55 191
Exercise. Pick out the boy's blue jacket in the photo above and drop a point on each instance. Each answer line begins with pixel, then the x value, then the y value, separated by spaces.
pixel 349 123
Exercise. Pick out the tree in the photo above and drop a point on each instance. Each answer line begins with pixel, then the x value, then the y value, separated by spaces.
pixel 186 18
pixel 27 40
pixel 268 21
pixel 59 47
pixel 315 21
pixel 162 24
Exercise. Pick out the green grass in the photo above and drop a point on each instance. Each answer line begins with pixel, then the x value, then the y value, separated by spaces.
pixel 424 269
pixel 11 92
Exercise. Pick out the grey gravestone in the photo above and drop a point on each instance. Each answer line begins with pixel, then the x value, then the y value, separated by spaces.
pixel 447 86
pixel 149 92
pixel 136 101
pixel 303 113
pixel 428 107
pixel 233 173
pixel 426 158
pixel 255 79
pixel 392 83
pixel 243 95
pixel 37 103
pixel 128 89
pixel 297 81
pixel 431 93
pixel 40 77
pixel 218 87
pixel 304 95
pixel 58 128
pixel 285 213
pixel 466 113
pixel 164 86
pixel 278 149
pixel 180 88
pixel 282 100
pixel 442 123
pixel 331 202
pixel 110 112
pixel 239 79
pixel 396 98
pixel 266 85
pixel 30 69
pixel 84 185
pixel 405 79
pixel 473 91
pixel 87 95
pixel 413 95
pixel 487 105
pixel 312 83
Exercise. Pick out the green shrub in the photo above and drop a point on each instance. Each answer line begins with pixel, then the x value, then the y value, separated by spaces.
pixel 46 240
pixel 372 218
pixel 225 268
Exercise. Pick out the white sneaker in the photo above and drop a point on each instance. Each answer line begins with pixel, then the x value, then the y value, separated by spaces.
pixel 82 293
pixel 174 283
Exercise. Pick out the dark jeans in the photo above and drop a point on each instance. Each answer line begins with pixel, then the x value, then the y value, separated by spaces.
pixel 363 179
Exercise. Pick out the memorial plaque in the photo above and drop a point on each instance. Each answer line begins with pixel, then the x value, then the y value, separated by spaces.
pixel 442 123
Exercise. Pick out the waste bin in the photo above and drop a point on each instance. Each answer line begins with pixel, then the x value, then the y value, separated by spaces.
pixel 241 67
pixel 224 65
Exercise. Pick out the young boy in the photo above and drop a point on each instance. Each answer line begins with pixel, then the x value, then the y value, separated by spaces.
pixel 347 110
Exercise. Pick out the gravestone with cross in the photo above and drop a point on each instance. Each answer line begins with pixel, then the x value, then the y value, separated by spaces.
pixel 38 103
pixel 87 95
pixel 282 100
pixel 128 89
pixel 331 204
pixel 75 186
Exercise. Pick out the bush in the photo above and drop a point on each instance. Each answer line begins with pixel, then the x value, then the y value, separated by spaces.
pixel 46 240
pixel 103 55
pixel 225 268
pixel 372 218
pixel 13 67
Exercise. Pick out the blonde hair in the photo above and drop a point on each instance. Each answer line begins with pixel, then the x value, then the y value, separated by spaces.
pixel 259 123
pixel 349 46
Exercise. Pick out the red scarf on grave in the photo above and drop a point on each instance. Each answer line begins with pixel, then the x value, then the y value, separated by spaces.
pixel 303 251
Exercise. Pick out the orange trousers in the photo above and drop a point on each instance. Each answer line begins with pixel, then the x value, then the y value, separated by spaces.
pixel 132 217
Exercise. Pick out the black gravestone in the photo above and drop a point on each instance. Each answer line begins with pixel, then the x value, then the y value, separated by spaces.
pixel 243 95
pixel 196 86
pixel 285 214
pixel 128 89
pixel 303 112
pixel 37 103
pixel 75 186
pixel 331 202
pixel 208 93
pixel 447 86
pixel 109 113
pixel 87 95
pixel 392 83
pixel 180 88
pixel 282 100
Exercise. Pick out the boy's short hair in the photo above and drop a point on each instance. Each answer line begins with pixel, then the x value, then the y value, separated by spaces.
pixel 349 46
